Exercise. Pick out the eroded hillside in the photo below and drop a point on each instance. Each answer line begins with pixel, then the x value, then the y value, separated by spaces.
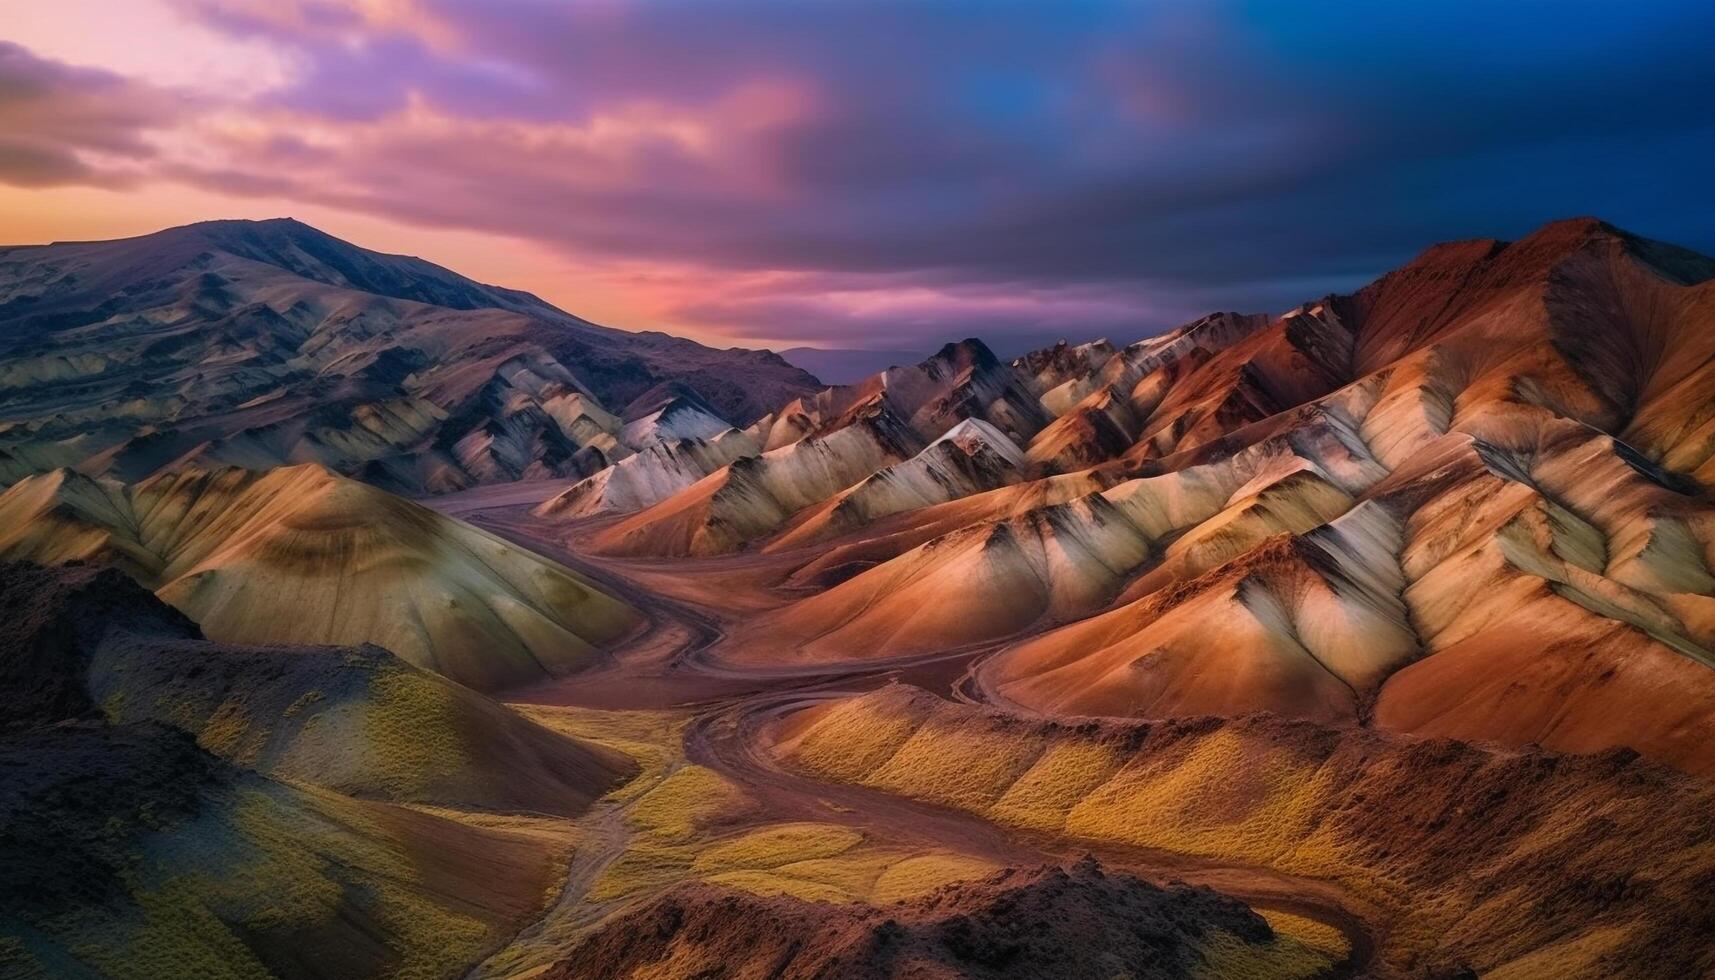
pixel 1387 623
pixel 1451 503
pixel 267 343
pixel 301 555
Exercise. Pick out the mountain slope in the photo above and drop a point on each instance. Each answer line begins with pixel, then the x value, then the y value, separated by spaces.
pixel 819 448
pixel 300 555
pixel 1468 500
pixel 88 643
pixel 1505 862
pixel 262 343
pixel 168 811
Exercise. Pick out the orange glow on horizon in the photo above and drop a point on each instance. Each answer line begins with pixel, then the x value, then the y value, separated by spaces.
pixel 630 296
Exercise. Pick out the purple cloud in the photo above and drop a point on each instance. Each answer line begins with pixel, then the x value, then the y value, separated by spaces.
pixel 65 125
pixel 1101 164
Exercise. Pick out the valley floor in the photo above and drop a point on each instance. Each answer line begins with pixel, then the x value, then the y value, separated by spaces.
pixel 714 803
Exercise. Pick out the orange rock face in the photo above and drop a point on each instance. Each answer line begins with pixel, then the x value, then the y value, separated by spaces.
pixel 1468 500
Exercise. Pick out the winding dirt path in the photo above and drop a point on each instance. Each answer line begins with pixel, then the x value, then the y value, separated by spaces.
pixel 663 667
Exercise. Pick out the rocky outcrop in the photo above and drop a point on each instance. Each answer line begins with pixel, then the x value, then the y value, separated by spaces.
pixel 1440 505
pixel 970 458
pixel 649 476
pixel 748 500
pixel 1075 922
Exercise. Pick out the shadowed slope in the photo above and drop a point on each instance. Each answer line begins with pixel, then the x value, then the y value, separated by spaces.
pixel 131 851
pixel 87 643
pixel 132 854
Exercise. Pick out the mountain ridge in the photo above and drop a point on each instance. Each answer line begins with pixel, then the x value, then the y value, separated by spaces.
pixel 266 343
pixel 1342 513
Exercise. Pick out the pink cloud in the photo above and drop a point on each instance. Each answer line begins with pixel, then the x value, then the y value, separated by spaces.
pixel 65 125
pixel 338 21
pixel 849 170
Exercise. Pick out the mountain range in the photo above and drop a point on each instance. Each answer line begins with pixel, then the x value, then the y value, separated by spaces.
pixel 1391 508
pixel 1386 622
pixel 266 343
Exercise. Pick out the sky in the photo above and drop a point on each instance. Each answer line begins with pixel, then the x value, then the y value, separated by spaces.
pixel 867 175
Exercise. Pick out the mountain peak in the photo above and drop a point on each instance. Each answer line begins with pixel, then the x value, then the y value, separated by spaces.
pixel 286 221
pixel 229 232
pixel 1571 234
pixel 965 352
pixel 1559 240
pixel 307 251
pixel 1550 245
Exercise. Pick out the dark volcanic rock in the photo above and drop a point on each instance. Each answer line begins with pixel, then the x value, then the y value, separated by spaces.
pixel 51 621
pixel 1073 923
pixel 74 800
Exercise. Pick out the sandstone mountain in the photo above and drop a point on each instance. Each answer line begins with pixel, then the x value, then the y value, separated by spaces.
pixel 1471 499
pixel 967 413
pixel 1393 615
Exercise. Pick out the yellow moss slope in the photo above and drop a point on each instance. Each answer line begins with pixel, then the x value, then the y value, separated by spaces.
pixel 1494 861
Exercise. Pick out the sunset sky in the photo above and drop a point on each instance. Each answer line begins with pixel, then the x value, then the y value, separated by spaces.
pixel 865 175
